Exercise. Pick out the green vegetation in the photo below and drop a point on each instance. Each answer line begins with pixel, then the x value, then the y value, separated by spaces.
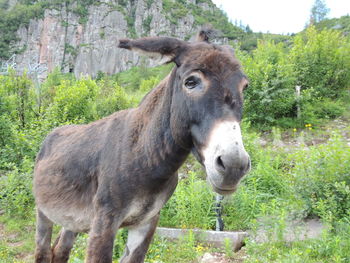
pixel 286 183
pixel 21 14
pixel 175 10
pixel 11 20
pixel 341 24
pixel 147 24
pixel 249 41
pixel 219 20
pixel 319 11
pixel 316 61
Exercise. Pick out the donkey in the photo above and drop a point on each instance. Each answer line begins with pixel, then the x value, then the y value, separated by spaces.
pixel 120 171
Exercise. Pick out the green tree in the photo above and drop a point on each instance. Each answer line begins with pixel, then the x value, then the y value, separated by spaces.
pixel 319 11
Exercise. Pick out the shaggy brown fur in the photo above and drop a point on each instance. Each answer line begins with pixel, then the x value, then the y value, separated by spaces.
pixel 119 171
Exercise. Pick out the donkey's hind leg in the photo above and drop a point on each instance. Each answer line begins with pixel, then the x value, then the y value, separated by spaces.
pixel 139 239
pixel 43 234
pixel 63 246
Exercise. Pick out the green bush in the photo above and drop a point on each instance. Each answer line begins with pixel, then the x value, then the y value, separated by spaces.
pixel 271 94
pixel 320 174
pixel 74 101
pixel 321 61
pixel 147 84
pixel 322 109
pixel 18 98
pixel 111 98
pixel 5 128
pixel 16 198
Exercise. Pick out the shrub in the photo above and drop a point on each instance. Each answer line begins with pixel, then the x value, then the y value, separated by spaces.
pixel 16 198
pixel 74 101
pixel 111 98
pixel 271 94
pixel 321 178
pixel 316 61
pixel 148 84
pixel 5 128
pixel 17 98
pixel 321 61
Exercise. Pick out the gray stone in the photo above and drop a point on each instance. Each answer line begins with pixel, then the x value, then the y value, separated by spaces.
pixel 216 238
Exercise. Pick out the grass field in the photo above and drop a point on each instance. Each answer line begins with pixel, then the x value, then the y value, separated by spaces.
pixel 297 175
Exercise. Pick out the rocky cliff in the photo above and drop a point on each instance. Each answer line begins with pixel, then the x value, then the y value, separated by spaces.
pixel 61 38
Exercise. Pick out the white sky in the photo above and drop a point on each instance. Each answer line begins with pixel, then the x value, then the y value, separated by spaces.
pixel 277 16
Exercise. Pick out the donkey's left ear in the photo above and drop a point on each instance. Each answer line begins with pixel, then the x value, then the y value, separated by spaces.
pixel 206 33
pixel 166 49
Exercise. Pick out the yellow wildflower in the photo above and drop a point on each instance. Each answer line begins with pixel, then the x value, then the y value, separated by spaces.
pixel 199 248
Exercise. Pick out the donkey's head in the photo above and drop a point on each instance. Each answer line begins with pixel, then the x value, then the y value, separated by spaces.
pixel 206 106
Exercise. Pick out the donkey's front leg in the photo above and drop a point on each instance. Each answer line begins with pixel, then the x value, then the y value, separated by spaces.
pixel 139 238
pixel 101 238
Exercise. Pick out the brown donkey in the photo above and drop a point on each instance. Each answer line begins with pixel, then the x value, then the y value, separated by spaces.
pixel 120 171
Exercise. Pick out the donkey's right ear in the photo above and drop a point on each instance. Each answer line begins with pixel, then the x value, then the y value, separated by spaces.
pixel 166 48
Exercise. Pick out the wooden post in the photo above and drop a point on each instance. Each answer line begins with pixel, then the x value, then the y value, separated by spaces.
pixel 297 92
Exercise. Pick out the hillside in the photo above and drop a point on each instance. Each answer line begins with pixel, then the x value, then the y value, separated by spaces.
pixel 80 36
pixel 341 24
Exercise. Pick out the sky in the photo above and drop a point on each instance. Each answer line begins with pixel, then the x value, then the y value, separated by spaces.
pixel 277 16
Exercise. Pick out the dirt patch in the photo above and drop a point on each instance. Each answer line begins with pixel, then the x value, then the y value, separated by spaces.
pixel 308 136
pixel 294 231
pixel 2 231
pixel 237 257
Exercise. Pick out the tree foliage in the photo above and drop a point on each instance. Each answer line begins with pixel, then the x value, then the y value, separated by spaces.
pixel 319 11
pixel 318 61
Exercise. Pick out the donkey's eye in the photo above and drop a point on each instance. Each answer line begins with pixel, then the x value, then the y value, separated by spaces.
pixel 192 82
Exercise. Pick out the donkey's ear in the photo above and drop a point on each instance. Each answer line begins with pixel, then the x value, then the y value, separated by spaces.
pixel 166 49
pixel 207 33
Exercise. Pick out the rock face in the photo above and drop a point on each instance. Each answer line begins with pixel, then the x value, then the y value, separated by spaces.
pixel 60 40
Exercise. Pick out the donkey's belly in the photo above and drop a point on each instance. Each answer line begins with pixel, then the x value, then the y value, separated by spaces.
pixel 77 216
pixel 79 219
pixel 142 211
pixel 70 217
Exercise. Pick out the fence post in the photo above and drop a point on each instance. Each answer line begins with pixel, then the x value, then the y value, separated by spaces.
pixel 297 93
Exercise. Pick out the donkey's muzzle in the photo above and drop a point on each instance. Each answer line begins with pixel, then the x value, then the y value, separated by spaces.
pixel 232 165
pixel 228 171
pixel 226 160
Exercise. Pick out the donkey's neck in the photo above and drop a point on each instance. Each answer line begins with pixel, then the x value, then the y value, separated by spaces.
pixel 155 137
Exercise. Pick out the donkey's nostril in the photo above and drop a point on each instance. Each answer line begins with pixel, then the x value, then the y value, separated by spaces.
pixel 220 163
